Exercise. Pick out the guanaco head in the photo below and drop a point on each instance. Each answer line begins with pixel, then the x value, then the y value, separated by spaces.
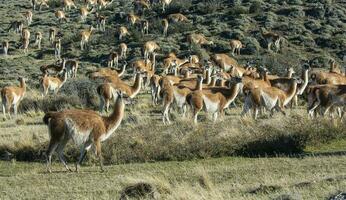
pixel 290 70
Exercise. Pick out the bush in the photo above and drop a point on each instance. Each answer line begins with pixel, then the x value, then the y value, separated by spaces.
pixel 255 7
pixel 238 10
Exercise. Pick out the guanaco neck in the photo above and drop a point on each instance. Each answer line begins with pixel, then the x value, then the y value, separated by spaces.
pixel 199 84
pixel 289 74
pixel 122 71
pixel 213 81
pixel 137 85
pixel 117 115
pixel 208 75
pixel 233 92
pixel 23 85
pixel 291 91
pixel 305 84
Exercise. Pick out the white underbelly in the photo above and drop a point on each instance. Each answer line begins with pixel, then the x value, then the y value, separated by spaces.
pixel 79 137
pixel 179 99
pixel 210 106
pixel 16 98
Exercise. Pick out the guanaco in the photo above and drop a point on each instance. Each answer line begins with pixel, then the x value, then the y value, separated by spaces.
pixel 123 50
pixel 85 36
pixel 113 59
pixel 107 91
pixel 68 4
pixel 25 40
pixel 149 47
pixel 145 27
pixel 198 39
pixel 84 12
pixel 236 45
pixel 123 32
pixel 28 17
pixel 85 127
pixel 49 83
pixel 38 39
pixel 41 3
pixel 271 38
pixel 60 15
pixel 71 67
pixel 11 96
pixel 178 17
pixel 215 99
pixel 57 48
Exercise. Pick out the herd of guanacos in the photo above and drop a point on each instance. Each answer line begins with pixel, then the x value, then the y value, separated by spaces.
pixel 201 84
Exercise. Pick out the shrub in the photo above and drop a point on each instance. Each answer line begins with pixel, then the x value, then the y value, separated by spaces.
pixel 255 7
pixel 238 10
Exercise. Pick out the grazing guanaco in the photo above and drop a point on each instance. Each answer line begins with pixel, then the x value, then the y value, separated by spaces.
pixel 149 47
pixel 226 63
pixel 71 67
pixel 123 50
pixel 25 40
pixel 270 98
pixel 49 83
pixel 11 96
pixel 113 59
pixel 28 17
pixel 5 47
pixel 57 48
pixel 110 75
pixel 17 26
pixel 271 38
pixel 215 99
pixel 60 15
pixel 145 27
pixel 100 22
pixel 322 77
pixel 165 3
pixel 84 12
pixel 85 127
pixel 165 24
pixel 123 32
pixel 141 5
pixel 52 33
pixel 198 39
pixel 55 68
pixel 178 17
pixel 236 45
pixel 85 36
pixel 107 91
pixel 38 39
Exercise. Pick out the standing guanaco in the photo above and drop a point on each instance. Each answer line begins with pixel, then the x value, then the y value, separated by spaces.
pixel 84 12
pixel 271 38
pixel 17 26
pixel 71 67
pixel 145 27
pixel 41 3
pixel 123 32
pixel 149 47
pixel 49 83
pixel 123 50
pixel 113 59
pixel 85 36
pixel 38 39
pixel 28 17
pixel 60 15
pixel 165 27
pixel 57 48
pixel 11 96
pixel 25 40
pixel 236 45
pixel 84 127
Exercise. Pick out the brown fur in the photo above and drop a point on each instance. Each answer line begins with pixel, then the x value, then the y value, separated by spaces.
pixel 12 96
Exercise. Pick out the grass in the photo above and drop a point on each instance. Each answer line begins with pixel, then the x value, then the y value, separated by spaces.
pixel 225 178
